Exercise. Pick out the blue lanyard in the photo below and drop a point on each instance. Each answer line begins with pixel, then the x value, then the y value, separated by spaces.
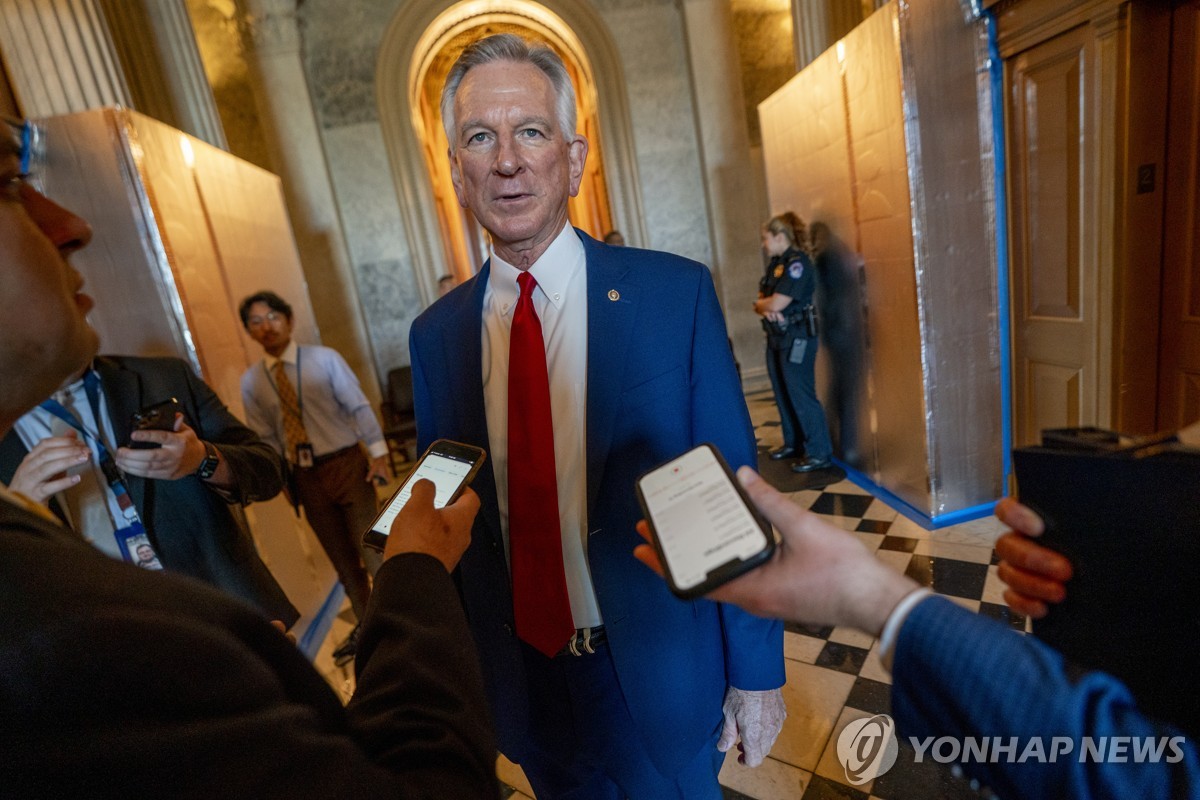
pixel 112 476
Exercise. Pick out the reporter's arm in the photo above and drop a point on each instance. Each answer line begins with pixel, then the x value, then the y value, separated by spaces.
pixel 958 674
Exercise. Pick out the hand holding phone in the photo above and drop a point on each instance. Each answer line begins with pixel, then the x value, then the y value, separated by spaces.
pixel 157 417
pixel 703 526
pixel 450 466
pixel 444 533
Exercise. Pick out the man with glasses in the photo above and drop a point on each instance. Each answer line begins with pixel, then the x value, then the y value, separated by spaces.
pixel 118 682
pixel 308 405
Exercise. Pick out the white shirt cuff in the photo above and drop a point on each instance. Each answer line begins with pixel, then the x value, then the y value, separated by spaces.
pixel 377 449
pixel 891 628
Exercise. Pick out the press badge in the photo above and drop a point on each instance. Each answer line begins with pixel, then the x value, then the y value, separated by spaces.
pixel 136 548
pixel 304 455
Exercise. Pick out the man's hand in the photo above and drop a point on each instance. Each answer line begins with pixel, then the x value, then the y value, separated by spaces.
pixel 819 574
pixel 180 454
pixel 757 717
pixel 40 474
pixel 442 533
pixel 379 472
pixel 1035 575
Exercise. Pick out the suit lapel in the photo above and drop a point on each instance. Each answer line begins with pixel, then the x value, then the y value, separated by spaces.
pixel 462 350
pixel 122 396
pixel 612 303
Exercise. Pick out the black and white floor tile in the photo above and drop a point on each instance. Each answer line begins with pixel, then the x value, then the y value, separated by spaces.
pixel 834 675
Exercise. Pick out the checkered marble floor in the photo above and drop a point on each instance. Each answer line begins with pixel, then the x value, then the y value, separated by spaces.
pixel 834 675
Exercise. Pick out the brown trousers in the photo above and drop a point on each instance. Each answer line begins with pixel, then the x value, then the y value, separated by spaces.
pixel 340 505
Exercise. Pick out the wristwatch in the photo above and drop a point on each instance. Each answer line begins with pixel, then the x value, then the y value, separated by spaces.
pixel 210 463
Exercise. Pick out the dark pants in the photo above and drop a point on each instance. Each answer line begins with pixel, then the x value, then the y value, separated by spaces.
pixel 800 411
pixel 845 389
pixel 585 745
pixel 340 505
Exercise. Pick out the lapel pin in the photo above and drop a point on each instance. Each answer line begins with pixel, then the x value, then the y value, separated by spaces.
pixel 614 295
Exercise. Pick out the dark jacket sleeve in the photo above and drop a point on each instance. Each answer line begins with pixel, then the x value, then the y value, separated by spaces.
pixel 958 674
pixel 256 467
pixel 120 683
pixel 420 705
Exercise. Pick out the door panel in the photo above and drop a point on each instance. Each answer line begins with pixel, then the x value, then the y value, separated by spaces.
pixel 1055 275
pixel 1179 342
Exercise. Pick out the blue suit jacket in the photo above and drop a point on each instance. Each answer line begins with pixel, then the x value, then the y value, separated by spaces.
pixel 660 379
pixel 958 674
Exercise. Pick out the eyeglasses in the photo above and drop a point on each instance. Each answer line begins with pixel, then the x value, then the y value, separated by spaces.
pixel 271 317
pixel 28 138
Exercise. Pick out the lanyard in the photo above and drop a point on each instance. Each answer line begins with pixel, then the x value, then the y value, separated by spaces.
pixel 112 476
pixel 299 384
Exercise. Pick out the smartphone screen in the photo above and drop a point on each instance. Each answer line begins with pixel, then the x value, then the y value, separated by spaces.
pixel 449 465
pixel 705 530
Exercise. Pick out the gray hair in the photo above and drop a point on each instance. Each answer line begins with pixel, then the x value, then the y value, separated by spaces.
pixel 510 47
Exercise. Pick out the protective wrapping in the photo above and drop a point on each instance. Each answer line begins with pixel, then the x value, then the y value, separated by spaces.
pixel 887 139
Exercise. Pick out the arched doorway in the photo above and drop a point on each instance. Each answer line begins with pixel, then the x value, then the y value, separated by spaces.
pixel 419 47
pixel 465 243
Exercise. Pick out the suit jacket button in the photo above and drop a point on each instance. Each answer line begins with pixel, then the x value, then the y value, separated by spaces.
pixel 508 629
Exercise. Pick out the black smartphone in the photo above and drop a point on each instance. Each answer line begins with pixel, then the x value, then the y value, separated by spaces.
pixel 704 527
pixel 157 417
pixel 450 465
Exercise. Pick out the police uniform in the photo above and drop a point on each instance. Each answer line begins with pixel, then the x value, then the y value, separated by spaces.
pixel 792 354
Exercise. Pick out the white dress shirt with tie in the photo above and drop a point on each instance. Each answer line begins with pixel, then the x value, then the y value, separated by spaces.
pixel 560 300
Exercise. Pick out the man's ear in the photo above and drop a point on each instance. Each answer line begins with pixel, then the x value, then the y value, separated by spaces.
pixel 456 178
pixel 577 152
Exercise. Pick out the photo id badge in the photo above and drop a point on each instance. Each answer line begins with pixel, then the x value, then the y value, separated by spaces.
pixel 135 546
pixel 304 455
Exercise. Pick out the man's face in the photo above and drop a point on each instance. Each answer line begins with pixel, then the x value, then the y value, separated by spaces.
pixel 44 336
pixel 272 329
pixel 510 162
pixel 144 553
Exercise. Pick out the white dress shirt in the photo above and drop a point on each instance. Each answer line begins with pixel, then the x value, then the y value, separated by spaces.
pixel 560 300
pixel 90 505
pixel 336 413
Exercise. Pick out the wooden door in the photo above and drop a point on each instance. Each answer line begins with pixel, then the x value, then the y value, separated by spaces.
pixel 1058 367
pixel 1179 342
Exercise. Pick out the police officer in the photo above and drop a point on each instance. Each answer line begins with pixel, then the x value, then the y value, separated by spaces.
pixel 785 303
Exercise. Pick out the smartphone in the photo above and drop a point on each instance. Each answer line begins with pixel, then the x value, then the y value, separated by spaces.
pixel 450 465
pixel 157 417
pixel 704 527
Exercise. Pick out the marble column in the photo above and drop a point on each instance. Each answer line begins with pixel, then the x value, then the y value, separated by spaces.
pixel 735 195
pixel 820 23
pixel 157 48
pixel 60 57
pixel 271 37
pixel 810 21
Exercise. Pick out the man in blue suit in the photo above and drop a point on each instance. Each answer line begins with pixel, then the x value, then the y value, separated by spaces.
pixel 578 366
pixel 957 674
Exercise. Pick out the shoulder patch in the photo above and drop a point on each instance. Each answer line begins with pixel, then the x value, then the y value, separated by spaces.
pixel 795 269
pixel 779 271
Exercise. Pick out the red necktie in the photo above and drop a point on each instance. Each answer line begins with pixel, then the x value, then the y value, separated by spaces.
pixel 540 602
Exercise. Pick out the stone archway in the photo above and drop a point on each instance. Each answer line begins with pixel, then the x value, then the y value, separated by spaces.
pixel 416 35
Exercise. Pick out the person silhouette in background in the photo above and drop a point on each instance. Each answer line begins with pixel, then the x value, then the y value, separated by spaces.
pixel 839 301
